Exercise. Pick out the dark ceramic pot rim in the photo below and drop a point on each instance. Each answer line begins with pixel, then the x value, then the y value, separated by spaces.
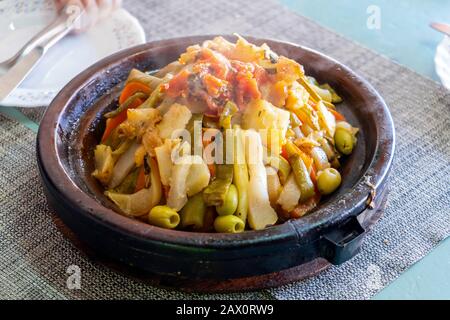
pixel 349 204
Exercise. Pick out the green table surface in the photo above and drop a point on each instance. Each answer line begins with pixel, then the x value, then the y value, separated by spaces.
pixel 405 37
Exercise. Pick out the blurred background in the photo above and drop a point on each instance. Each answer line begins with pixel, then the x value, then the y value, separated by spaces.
pixel 404 34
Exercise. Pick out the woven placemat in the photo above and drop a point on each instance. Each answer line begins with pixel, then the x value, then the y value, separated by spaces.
pixel 34 255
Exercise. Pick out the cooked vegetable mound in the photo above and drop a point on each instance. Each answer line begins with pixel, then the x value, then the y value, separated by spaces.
pixel 229 137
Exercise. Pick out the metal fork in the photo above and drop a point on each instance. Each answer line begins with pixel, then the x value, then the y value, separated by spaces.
pixel 62 24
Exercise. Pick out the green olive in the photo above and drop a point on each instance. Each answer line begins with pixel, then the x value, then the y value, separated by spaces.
pixel 230 203
pixel 164 217
pixel 344 141
pixel 229 224
pixel 344 125
pixel 328 180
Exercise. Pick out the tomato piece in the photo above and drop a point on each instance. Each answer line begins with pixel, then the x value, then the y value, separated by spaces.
pixel 337 115
pixel 178 85
pixel 246 88
pixel 140 182
pixel 218 63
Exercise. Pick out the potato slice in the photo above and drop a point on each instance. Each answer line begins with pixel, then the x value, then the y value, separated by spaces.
pixel 176 118
pixel 198 177
pixel 326 119
pixel 260 214
pixel 104 163
pixel 290 195
pixel 136 204
pixel 269 121
pixel 177 196
pixel 273 185
pixel 123 166
pixel 164 158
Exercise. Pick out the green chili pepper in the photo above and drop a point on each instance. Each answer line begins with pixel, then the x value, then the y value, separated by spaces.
pixel 154 98
pixel 227 114
pixel 128 184
pixel 214 194
pixel 302 177
pixel 126 104
pixel 193 213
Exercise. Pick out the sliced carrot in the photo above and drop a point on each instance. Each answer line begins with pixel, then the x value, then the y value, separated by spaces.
pixel 206 141
pixel 213 84
pixel 304 118
pixel 211 166
pixel 113 123
pixel 306 159
pixel 140 182
pixel 337 115
pixel 284 153
pixel 212 169
pixel 166 190
pixel 312 104
pixel 131 88
pixel 313 176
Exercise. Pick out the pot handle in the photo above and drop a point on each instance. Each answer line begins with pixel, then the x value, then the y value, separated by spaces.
pixel 344 242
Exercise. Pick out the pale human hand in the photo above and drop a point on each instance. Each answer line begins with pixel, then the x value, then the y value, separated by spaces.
pixel 95 10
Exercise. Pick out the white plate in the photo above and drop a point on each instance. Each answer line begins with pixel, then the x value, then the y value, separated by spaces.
pixel 21 19
pixel 442 61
